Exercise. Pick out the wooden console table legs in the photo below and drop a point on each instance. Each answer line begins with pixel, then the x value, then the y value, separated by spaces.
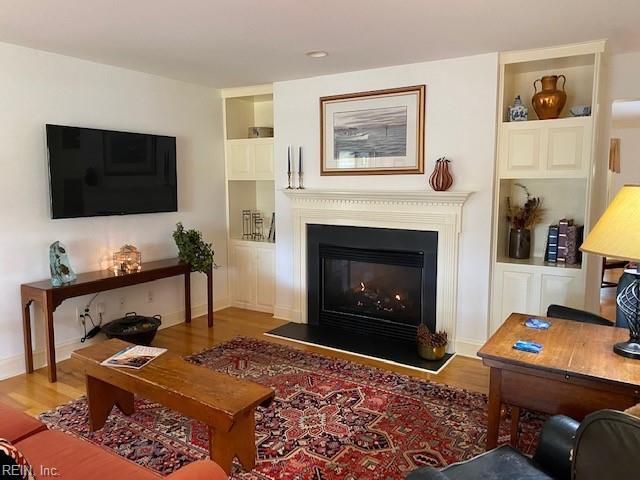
pixel 187 297
pixel 44 299
pixel 209 274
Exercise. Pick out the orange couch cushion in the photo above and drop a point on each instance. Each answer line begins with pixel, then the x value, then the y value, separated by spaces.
pixel 75 458
pixel 15 425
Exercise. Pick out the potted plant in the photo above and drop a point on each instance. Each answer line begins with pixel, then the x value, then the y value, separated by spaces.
pixel 521 220
pixel 192 249
pixel 431 346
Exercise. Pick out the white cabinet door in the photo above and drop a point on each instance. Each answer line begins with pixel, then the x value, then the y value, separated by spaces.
pixel 263 155
pixel 243 275
pixel 517 292
pixel 559 289
pixel 521 149
pixel 250 159
pixel 568 149
pixel 266 269
pixel 514 291
pixel 240 160
pixel 546 148
pixel 252 267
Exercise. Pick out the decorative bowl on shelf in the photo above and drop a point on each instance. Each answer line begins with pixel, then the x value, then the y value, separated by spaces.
pixel 580 110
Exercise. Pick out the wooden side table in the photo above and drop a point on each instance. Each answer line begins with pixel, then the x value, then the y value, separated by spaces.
pixel 576 372
pixel 50 298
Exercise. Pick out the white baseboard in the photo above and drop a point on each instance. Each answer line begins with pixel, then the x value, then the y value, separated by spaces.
pixel 251 306
pixel 12 366
pixel 467 347
pixel 283 313
pixel 287 313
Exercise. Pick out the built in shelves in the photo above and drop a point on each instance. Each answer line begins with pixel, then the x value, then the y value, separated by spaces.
pixel 537 262
pixel 554 160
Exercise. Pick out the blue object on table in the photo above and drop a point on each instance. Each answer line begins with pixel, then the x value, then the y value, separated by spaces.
pixel 526 346
pixel 537 323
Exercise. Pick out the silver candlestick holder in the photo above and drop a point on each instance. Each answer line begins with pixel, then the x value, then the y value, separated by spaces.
pixel 289 187
pixel 300 184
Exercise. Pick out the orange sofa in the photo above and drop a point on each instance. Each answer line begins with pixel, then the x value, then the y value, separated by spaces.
pixel 54 454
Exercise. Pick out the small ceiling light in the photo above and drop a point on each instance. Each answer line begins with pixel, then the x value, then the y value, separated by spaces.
pixel 317 54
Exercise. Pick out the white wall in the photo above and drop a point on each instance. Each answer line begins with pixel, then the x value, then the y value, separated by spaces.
pixel 460 124
pixel 629 134
pixel 38 88
pixel 619 81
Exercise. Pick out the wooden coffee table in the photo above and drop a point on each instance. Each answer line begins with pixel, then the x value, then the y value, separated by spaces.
pixel 224 403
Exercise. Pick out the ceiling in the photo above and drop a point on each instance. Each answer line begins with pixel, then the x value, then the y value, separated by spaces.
pixel 242 42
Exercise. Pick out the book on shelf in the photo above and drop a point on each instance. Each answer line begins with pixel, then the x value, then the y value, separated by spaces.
pixel 575 235
pixel 551 252
pixel 563 226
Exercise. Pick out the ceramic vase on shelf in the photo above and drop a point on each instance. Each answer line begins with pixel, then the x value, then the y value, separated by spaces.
pixel 549 101
pixel 518 112
pixel 520 243
pixel 441 179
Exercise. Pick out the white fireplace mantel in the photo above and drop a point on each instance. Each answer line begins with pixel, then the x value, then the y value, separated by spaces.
pixel 402 209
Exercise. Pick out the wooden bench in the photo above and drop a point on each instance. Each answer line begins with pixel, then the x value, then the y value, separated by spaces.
pixel 224 403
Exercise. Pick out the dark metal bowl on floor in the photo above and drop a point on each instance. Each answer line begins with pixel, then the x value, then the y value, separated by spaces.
pixel 133 328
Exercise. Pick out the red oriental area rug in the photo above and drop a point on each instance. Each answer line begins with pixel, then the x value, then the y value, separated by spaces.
pixel 331 420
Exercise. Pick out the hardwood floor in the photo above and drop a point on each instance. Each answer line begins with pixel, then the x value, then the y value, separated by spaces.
pixel 34 394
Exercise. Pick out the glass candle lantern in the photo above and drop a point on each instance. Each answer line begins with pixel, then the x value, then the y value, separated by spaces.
pixel 127 260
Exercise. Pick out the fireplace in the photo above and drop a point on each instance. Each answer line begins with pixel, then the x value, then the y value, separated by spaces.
pixel 375 281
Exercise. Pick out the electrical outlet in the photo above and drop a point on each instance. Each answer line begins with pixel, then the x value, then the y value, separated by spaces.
pixel 150 296
pixel 100 307
pixel 122 303
pixel 80 315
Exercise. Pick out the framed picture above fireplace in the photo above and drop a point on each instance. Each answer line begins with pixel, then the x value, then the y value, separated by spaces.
pixel 377 132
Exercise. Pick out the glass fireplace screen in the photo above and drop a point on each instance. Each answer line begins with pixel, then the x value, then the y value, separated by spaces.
pixel 369 289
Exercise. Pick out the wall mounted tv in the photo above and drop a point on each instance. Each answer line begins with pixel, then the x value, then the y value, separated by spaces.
pixel 102 172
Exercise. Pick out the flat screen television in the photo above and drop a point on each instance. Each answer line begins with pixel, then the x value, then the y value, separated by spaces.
pixel 103 172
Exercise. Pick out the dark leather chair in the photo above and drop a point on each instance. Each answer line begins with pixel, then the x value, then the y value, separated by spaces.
pixel 603 446
pixel 568 313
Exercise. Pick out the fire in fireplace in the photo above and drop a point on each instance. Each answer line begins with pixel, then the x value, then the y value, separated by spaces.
pixel 371 280
pixel 387 291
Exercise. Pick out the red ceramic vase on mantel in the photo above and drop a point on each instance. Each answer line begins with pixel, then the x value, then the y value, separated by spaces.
pixel 441 180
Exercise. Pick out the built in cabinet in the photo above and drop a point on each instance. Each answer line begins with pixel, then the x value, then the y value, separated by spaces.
pixel 250 186
pixel 554 160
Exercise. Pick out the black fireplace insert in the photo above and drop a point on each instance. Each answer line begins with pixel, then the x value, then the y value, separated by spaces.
pixel 371 280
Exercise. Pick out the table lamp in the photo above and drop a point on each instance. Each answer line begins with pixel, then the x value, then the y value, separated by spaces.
pixel 617 235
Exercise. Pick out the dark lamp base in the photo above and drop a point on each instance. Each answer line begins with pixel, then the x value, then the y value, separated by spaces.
pixel 629 349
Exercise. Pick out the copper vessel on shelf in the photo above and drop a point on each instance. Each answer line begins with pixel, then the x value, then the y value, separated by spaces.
pixel 549 102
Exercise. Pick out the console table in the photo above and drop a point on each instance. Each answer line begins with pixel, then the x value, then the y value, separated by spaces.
pixel 50 298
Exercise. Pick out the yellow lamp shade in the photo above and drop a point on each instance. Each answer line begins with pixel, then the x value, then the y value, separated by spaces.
pixel 617 233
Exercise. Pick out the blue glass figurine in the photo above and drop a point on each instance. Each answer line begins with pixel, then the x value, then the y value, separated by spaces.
pixel 518 112
pixel 61 271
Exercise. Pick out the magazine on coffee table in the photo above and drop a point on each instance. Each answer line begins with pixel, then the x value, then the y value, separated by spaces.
pixel 136 356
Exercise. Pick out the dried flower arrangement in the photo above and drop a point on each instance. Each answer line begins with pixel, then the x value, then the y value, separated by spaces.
pixel 525 216
pixel 428 339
